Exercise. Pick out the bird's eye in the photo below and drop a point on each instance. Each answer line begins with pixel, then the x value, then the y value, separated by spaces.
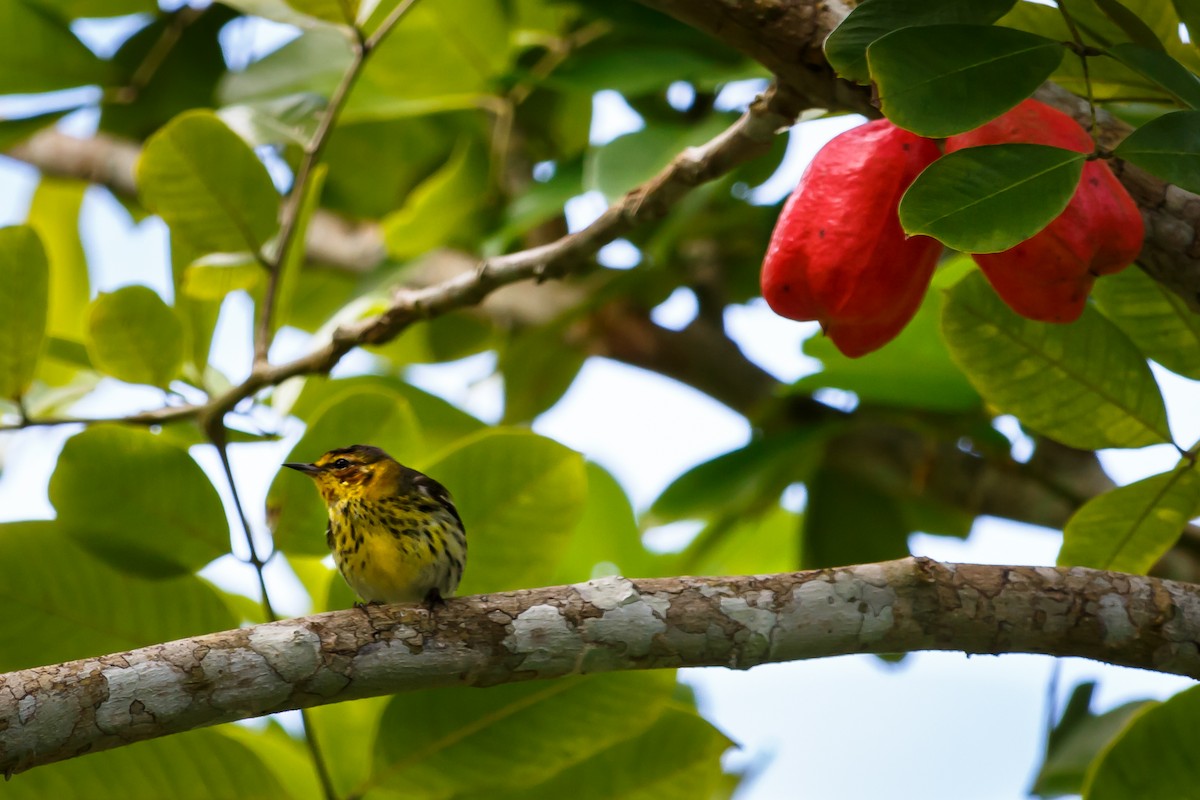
pixel 341 463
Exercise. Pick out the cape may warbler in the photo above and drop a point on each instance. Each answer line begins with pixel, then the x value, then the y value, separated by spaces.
pixel 395 534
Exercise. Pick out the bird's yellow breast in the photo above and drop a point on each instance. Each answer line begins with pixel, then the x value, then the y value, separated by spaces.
pixel 396 550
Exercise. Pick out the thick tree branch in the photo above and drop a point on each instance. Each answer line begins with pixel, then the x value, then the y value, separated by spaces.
pixel 57 712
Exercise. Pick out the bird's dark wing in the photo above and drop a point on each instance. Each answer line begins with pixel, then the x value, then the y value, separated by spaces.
pixel 435 491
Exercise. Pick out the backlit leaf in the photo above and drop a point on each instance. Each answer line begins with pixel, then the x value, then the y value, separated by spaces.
pixel 25 276
pixel 134 336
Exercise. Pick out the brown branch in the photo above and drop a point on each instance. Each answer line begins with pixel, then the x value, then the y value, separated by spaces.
pixel 56 712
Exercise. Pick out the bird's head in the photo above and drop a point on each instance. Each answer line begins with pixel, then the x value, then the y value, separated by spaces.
pixel 352 472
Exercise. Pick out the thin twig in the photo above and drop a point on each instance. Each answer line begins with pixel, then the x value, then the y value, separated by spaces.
pixel 290 215
pixel 1082 50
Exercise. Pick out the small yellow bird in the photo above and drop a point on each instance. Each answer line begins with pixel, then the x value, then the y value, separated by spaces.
pixel 395 534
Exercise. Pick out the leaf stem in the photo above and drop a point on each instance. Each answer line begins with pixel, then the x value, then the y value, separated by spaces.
pixel 1083 52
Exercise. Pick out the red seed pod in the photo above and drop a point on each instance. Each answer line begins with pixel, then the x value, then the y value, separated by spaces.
pixel 1048 276
pixel 838 254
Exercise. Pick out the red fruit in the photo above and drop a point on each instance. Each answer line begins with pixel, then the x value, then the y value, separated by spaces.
pixel 838 254
pixel 1048 276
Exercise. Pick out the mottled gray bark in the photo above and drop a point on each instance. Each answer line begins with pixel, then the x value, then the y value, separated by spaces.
pixel 56 712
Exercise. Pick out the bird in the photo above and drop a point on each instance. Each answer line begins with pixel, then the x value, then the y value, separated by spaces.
pixel 395 533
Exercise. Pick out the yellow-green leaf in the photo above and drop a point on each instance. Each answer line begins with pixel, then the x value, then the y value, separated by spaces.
pixel 1084 384
pixel 139 502
pixel 134 336
pixel 25 276
pixel 1128 529
pixel 520 496
pixel 208 185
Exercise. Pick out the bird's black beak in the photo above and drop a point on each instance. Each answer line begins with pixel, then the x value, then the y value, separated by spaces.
pixel 308 469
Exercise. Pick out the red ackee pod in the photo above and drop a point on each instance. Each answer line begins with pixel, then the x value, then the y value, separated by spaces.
pixel 1048 276
pixel 838 254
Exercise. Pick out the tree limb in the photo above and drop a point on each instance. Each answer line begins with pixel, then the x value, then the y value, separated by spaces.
pixel 56 712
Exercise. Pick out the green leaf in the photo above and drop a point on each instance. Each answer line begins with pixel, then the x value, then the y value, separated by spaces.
pixel 846 47
pixel 70 9
pixel 134 336
pixel 1157 319
pixel 607 540
pixel 54 214
pixel 25 276
pixel 38 53
pixel 141 504
pixel 217 274
pixel 340 12
pixel 1159 67
pixel 98 610
pixel 632 159
pixel 676 758
pixel 288 759
pixel 740 478
pixel 849 521
pixel 309 64
pixel 1159 734
pixel 456 70
pixel 1076 740
pixel 520 496
pixel 914 370
pixel 987 199
pixel 1168 147
pixel 208 185
pixel 441 423
pixel 1084 384
pixel 1137 31
pixel 1128 529
pixel 184 75
pixel 741 543
pixel 939 80
pixel 436 211
pixel 538 366
pixel 362 415
pixel 196 765
pixel 443 742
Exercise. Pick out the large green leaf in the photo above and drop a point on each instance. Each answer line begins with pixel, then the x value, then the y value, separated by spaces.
pixel 1157 319
pixel 25 276
pixel 141 504
pixel 939 80
pixel 1128 529
pixel 914 370
pixel 520 496
pixel 1162 735
pixel 287 757
pixel 363 415
pixel 1162 69
pixel 676 758
pixel 607 540
pixel 134 336
pixel 197 765
pixel 208 185
pixel 442 423
pixel 70 9
pixel 341 12
pixel 1075 740
pixel 436 211
pixel 1084 384
pixel 538 366
pixel 1168 147
pixel 740 478
pixel 458 64
pixel 629 160
pixel 65 604
pixel 987 199
pixel 1131 24
pixel 443 742
pixel 742 543
pixel 846 47
pixel 38 52
pixel 850 521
